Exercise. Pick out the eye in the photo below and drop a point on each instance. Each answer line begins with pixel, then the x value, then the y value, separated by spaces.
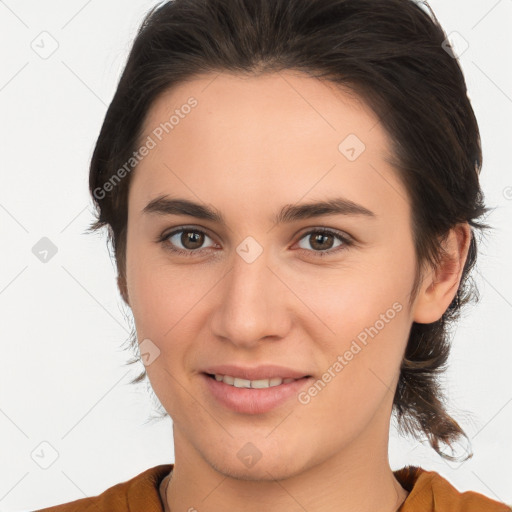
pixel 322 242
pixel 191 240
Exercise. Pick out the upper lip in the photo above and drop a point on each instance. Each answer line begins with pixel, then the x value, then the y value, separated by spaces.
pixel 267 371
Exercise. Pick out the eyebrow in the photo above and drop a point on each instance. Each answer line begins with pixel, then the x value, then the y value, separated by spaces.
pixel 164 205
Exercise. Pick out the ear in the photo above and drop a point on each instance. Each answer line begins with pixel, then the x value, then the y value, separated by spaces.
pixel 439 287
pixel 123 289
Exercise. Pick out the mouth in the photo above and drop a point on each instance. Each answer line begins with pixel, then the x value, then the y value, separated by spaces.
pixel 253 384
pixel 253 397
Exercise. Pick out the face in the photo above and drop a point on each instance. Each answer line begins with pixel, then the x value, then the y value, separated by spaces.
pixel 324 292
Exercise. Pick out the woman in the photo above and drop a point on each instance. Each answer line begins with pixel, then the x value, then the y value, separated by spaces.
pixel 291 190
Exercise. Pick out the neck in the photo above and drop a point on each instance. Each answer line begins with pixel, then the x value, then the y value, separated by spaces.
pixel 356 478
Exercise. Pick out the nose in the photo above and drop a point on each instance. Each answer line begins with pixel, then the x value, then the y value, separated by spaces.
pixel 251 303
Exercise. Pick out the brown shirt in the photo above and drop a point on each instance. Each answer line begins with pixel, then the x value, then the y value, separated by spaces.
pixel 428 492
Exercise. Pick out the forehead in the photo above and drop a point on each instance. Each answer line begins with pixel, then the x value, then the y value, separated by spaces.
pixel 264 104
pixel 280 134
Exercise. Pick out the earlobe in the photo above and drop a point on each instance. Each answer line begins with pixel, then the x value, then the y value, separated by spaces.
pixel 439 287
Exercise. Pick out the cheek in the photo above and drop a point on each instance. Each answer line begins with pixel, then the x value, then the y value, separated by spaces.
pixel 168 306
pixel 161 304
pixel 159 295
pixel 361 365
pixel 363 330
pixel 370 334
pixel 147 302
pixel 341 302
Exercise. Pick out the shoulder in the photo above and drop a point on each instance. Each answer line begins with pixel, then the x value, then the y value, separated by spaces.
pixel 429 491
pixel 139 493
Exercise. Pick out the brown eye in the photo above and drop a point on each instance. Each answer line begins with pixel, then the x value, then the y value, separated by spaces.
pixel 323 240
pixel 192 239
pixel 185 241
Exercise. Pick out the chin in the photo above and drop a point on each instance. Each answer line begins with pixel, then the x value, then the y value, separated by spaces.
pixel 262 472
pixel 265 469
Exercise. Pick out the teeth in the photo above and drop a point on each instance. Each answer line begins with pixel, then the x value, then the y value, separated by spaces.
pixel 258 384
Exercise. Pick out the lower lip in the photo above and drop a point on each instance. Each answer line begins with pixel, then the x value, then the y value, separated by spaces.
pixel 253 401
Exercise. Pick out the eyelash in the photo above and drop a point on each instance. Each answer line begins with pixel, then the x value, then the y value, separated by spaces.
pixel 346 242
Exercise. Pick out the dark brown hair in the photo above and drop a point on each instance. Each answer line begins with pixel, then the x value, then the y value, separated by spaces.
pixel 393 55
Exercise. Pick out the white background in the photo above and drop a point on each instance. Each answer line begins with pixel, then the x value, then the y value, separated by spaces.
pixel 63 377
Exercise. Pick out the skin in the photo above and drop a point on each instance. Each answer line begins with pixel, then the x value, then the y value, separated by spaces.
pixel 251 146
